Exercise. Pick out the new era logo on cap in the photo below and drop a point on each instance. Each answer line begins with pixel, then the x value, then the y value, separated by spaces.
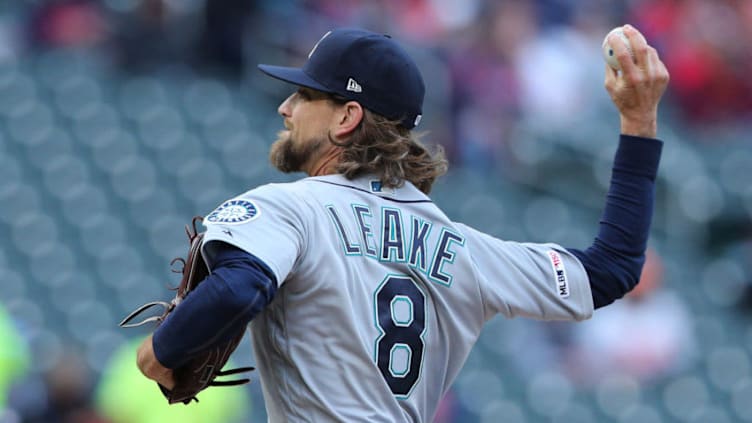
pixel 352 85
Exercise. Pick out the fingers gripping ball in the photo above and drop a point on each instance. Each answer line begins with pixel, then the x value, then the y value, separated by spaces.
pixel 608 52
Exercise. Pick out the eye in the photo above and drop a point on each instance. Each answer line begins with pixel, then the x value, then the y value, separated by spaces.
pixel 304 94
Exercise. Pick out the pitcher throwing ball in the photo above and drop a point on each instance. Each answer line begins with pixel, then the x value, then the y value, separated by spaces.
pixel 363 298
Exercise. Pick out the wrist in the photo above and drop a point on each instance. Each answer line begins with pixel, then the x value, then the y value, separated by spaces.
pixel 646 128
pixel 147 362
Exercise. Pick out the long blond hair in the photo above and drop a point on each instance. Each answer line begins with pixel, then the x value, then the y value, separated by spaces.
pixel 395 154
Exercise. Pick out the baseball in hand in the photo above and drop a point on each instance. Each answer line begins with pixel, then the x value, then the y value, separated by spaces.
pixel 609 54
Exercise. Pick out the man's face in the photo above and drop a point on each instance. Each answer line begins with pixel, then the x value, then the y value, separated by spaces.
pixel 307 114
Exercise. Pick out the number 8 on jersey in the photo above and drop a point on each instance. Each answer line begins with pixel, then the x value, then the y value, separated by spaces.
pixel 400 309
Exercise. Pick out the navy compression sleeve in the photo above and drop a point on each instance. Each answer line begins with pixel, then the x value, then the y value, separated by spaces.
pixel 614 261
pixel 239 287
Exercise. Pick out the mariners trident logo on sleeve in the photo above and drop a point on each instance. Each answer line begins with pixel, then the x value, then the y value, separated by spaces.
pixel 233 212
pixel 560 274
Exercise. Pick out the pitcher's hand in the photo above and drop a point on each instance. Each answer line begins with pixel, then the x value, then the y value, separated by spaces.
pixel 636 90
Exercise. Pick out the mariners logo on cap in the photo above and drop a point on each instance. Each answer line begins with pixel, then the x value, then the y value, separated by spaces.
pixel 234 212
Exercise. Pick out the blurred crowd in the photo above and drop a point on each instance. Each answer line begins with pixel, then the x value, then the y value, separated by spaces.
pixel 490 66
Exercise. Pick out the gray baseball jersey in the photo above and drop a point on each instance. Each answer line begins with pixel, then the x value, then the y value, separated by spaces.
pixel 381 296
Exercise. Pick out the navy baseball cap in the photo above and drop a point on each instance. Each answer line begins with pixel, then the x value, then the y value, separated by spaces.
pixel 363 66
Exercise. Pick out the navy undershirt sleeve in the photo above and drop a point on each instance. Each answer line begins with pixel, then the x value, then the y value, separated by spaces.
pixel 614 261
pixel 238 288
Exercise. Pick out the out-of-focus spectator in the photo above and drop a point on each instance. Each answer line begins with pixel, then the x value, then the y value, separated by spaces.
pixel 62 395
pixel 225 36
pixel 486 85
pixel 211 36
pixel 14 359
pixel 702 43
pixel 647 335
pixel 428 21
pixel 9 40
pixel 124 395
pixel 362 13
pixel 153 33
pixel 557 69
pixel 735 286
pixel 68 23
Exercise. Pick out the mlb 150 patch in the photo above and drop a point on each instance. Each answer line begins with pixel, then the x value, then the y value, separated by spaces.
pixel 234 212
pixel 560 274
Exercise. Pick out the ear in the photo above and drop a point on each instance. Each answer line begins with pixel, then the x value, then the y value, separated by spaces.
pixel 347 119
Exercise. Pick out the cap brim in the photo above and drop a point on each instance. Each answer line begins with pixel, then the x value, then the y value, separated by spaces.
pixel 292 75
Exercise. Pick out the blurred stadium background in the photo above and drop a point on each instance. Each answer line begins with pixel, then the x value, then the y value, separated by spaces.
pixel 121 119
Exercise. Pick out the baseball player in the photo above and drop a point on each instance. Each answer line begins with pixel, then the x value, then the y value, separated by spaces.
pixel 363 298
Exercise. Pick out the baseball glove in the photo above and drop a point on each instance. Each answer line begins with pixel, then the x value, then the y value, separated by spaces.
pixel 200 372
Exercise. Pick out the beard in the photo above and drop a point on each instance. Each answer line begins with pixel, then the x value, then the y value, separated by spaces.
pixel 288 157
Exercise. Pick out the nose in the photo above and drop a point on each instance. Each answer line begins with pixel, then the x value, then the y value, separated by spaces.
pixel 285 109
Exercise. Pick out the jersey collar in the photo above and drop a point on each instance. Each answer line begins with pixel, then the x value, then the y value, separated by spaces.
pixel 372 184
